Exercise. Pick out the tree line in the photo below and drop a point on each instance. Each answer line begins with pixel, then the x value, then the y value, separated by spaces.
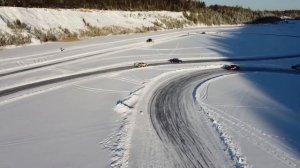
pixel 171 5
pixel 218 14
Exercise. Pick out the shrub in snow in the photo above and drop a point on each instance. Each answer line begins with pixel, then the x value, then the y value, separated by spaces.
pixel 16 25
pixel 15 39
pixel 93 31
pixel 44 37
pixel 171 23
pixel 50 36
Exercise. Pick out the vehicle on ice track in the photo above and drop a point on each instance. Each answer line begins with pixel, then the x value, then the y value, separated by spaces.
pixel 175 60
pixel 296 67
pixel 140 64
pixel 231 67
pixel 149 40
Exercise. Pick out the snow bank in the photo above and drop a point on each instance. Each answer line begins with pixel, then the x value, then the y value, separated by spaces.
pixel 119 141
pixel 76 19
pixel 231 147
pixel 20 26
pixel 128 103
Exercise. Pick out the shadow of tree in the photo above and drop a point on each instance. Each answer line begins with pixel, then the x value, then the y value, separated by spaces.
pixel 282 88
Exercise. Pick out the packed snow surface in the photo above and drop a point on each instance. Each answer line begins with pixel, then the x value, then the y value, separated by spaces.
pixel 87 106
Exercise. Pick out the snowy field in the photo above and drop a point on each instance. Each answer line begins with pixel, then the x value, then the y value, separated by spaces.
pixel 87 106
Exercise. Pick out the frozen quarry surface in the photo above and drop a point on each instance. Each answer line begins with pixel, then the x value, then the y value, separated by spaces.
pixel 88 107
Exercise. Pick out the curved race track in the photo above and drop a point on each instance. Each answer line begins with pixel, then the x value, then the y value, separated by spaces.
pixel 183 127
pixel 177 121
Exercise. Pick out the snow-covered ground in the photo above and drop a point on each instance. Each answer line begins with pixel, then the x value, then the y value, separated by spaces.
pixel 260 112
pixel 37 25
pixel 74 19
pixel 88 107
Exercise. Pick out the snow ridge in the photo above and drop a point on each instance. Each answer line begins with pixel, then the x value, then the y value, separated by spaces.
pixel 119 141
pixel 233 150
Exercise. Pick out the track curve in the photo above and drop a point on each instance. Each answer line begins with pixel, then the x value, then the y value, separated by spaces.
pixel 172 111
pixel 181 124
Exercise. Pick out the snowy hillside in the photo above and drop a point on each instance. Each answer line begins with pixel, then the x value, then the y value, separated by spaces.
pixel 56 24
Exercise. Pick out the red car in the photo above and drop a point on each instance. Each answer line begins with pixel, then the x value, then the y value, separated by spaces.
pixel 231 67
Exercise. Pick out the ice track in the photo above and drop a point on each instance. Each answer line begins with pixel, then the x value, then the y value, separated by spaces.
pixel 185 126
pixel 182 128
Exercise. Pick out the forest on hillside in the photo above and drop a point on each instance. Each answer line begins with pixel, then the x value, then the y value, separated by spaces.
pixel 171 5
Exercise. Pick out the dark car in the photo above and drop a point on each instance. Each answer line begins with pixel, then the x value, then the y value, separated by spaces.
pixel 231 67
pixel 149 40
pixel 175 60
pixel 296 67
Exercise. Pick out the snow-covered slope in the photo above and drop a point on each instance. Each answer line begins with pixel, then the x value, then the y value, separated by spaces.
pixel 27 25
pixel 73 19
